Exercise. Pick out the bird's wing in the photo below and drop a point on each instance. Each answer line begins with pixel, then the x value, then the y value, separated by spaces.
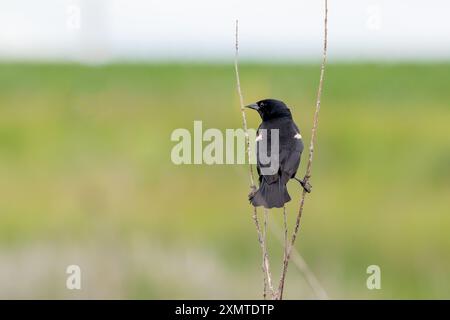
pixel 290 165
pixel 290 157
pixel 269 178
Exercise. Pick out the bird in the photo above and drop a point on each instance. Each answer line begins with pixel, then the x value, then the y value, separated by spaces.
pixel 272 191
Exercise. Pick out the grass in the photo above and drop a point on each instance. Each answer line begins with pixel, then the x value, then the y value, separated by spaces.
pixel 85 164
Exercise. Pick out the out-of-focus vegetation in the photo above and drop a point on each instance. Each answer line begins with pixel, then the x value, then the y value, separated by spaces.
pixel 86 178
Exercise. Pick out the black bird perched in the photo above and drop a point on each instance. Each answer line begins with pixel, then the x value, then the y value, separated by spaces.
pixel 272 192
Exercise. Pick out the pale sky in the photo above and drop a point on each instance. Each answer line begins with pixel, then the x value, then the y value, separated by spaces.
pixel 108 30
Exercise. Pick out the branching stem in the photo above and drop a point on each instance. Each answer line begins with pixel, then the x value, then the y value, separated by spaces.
pixel 262 235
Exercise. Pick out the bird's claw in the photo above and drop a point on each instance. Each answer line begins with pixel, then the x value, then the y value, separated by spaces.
pixel 306 185
pixel 252 192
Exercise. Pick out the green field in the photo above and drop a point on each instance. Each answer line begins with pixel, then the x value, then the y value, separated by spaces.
pixel 86 178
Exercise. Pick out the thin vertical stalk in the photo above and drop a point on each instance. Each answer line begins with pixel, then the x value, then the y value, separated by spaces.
pixel 310 158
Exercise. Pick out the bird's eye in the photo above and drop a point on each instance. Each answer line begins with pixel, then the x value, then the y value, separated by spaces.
pixel 261 104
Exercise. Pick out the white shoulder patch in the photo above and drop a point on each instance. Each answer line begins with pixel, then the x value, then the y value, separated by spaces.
pixel 298 136
pixel 259 138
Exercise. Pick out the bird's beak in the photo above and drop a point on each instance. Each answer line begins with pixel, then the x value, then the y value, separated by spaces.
pixel 253 106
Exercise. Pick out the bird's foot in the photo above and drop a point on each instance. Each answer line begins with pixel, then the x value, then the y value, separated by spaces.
pixel 252 192
pixel 305 184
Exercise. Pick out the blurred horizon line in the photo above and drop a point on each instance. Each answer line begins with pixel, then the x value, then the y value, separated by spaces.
pixel 220 61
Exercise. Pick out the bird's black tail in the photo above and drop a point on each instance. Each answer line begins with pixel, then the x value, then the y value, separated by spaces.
pixel 273 195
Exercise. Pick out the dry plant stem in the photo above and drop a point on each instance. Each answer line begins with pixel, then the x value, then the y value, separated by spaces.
pixel 261 243
pixel 285 244
pixel 301 264
pixel 285 233
pixel 265 264
pixel 310 159
pixel 289 248
pixel 266 254
pixel 241 101
pixel 319 291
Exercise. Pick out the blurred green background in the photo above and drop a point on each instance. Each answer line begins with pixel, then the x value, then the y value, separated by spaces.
pixel 86 178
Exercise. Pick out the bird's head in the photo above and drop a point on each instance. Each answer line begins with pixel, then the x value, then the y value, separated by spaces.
pixel 270 109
